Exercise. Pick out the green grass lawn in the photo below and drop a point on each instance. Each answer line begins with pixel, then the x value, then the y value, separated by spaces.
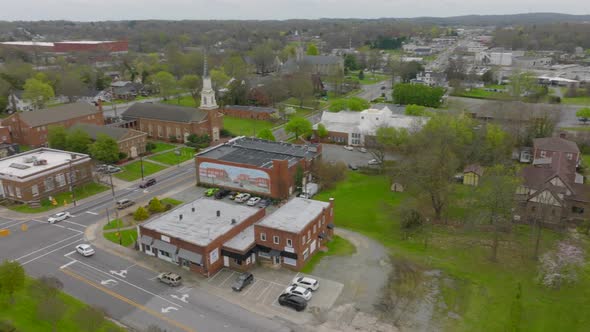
pixel 584 128
pixel 115 223
pixel 338 246
pixel 170 158
pixel 127 236
pixel 370 78
pixel 161 146
pixel 481 93
pixel 23 315
pixel 183 101
pixel 247 127
pixel 132 172
pixel 171 201
pixel 586 164
pixel 482 292
pixel 584 101
pixel 81 192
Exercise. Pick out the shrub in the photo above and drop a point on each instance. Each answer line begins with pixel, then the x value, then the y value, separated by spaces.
pixel 122 156
pixel 155 205
pixel 172 139
pixel 140 214
pixel 168 207
pixel 225 133
pixel 149 147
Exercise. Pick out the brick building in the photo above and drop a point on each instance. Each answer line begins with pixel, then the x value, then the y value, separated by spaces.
pixel 161 121
pixel 131 142
pixel 206 235
pixel 37 174
pixel 249 112
pixel 30 128
pixel 257 166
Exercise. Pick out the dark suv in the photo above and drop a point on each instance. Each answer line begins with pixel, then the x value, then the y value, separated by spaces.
pixel 293 301
pixel 221 193
pixel 147 183
pixel 243 280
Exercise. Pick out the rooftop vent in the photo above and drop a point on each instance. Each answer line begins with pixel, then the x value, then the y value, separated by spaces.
pixel 19 166
pixel 233 221
pixel 193 209
pixel 29 159
pixel 40 162
pixel 180 217
pixel 218 213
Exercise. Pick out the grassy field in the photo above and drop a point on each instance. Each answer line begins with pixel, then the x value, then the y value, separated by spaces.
pixel 80 192
pixel 171 201
pixel 586 128
pixel 584 101
pixel 370 78
pixel 338 246
pixel 247 127
pixel 128 237
pixel 161 146
pixel 479 291
pixel 183 101
pixel 132 172
pixel 115 223
pixel 481 93
pixel 170 158
pixel 23 315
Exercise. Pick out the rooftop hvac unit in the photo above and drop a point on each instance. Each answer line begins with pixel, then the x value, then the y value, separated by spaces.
pixel 40 162
pixel 29 159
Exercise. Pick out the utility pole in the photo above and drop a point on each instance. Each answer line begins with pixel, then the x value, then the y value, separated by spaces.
pixel 113 192
pixel 71 184
pixel 141 163
pixel 113 101
pixel 177 152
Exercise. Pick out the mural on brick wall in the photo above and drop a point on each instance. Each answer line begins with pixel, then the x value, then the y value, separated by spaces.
pixel 234 177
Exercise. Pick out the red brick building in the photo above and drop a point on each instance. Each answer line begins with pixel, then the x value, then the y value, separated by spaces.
pixel 249 112
pixel 256 166
pixel 30 128
pixel 164 122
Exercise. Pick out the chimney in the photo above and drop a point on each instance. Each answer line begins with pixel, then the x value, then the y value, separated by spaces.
pixel 218 213
pixel 562 135
pixel 180 217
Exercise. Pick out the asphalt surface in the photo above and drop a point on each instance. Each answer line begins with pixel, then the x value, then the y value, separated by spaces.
pixel 127 292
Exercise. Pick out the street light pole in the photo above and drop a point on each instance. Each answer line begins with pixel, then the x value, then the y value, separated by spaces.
pixel 141 164
pixel 71 185
pixel 113 192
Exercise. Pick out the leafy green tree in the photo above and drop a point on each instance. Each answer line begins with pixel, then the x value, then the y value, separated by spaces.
pixel 351 104
pixel 350 62
pixel 312 49
pixel 405 93
pixel 78 141
pixel 498 145
pixel 218 78
pixel 583 114
pixel 166 84
pixel 155 205
pixel 104 149
pixel 322 131
pixel 263 58
pixel 37 92
pixel 298 126
pixel 415 110
pixel 192 83
pixel 57 137
pixel 521 83
pixel 266 134
pixel 140 214
pixel 12 278
pixel 361 75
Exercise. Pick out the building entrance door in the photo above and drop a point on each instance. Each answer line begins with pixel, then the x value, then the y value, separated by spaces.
pixel 225 261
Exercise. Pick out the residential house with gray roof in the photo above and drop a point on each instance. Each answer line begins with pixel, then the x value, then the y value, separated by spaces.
pixel 130 141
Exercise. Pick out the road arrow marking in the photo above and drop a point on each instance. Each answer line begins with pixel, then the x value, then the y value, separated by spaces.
pixel 183 298
pixel 122 273
pixel 108 282
pixel 168 309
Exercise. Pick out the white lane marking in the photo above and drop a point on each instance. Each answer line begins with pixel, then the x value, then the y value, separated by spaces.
pixel 74 223
pixel 122 273
pixel 52 251
pixel 109 282
pixel 168 309
pixel 67 264
pixel 130 284
pixel 16 224
pixel 92 213
pixel 128 267
pixel 10 222
pixel 46 247
pixel 75 230
pixel 183 298
pixel 69 253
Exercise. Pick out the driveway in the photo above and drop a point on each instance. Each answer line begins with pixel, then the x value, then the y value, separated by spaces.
pixel 336 153
pixel 363 274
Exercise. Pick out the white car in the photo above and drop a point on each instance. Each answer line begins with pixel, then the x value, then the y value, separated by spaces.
pixel 306 282
pixel 253 201
pixel 363 150
pixel 348 147
pixel 242 198
pixel 299 291
pixel 85 250
pixel 61 216
pixel 374 162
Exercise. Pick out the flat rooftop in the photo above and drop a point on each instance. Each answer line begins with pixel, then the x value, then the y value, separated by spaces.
pixel 29 163
pixel 203 225
pixel 242 241
pixel 28 43
pixel 259 152
pixel 295 215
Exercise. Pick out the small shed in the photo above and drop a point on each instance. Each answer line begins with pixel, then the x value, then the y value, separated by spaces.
pixel 397 187
pixel 471 174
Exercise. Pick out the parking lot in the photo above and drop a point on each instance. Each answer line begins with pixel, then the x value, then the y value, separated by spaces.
pixel 337 153
pixel 269 284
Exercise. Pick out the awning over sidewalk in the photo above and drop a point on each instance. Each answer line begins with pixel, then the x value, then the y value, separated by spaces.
pixel 274 253
pixel 147 240
pixel 190 256
pixel 164 246
pixel 331 226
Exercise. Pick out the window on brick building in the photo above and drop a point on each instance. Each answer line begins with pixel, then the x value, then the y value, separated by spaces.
pixel 314 229
pixel 543 153
pixel 570 156
pixel 18 192
pixel 308 236
pixel 49 184
pixel 35 190
pixel 262 236
pixel 303 239
pixel 275 239
pixel 290 243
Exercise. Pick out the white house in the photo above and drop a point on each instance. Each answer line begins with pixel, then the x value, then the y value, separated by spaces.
pixel 430 78
pixel 352 128
pixel 15 100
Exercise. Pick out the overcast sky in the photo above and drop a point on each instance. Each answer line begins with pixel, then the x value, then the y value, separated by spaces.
pixel 99 10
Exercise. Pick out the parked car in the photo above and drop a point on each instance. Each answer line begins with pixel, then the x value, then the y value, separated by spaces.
pixel 253 201
pixel 242 281
pixel 353 167
pixel 241 198
pixel 112 169
pixel 348 147
pixel 293 301
pixel 169 278
pixel 233 194
pixel 264 203
pixel 374 162
pixel 363 150
pixel 124 203
pixel 61 216
pixel 299 291
pixel 211 191
pixel 85 250
pixel 221 193
pixel 101 168
pixel 147 183
pixel 306 282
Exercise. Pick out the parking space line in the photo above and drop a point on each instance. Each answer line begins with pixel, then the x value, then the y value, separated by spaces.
pixel 46 247
pixel 52 251
pixel 272 282
pixel 128 301
pixel 215 276
pixel 249 288
pixel 11 222
pixel 130 284
pixel 92 213
pixel 74 223
pixel 67 264
pixel 226 279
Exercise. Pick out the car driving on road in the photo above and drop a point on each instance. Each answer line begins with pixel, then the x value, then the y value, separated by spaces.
pixel 61 216
pixel 169 278
pixel 85 250
pixel 147 183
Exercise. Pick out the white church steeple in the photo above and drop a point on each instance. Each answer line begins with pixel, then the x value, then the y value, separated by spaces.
pixel 208 101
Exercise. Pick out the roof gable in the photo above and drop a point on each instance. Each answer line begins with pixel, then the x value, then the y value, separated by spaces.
pixel 556 144
pixel 165 112
pixel 57 114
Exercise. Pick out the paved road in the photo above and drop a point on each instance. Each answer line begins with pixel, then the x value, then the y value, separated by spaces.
pixel 129 293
